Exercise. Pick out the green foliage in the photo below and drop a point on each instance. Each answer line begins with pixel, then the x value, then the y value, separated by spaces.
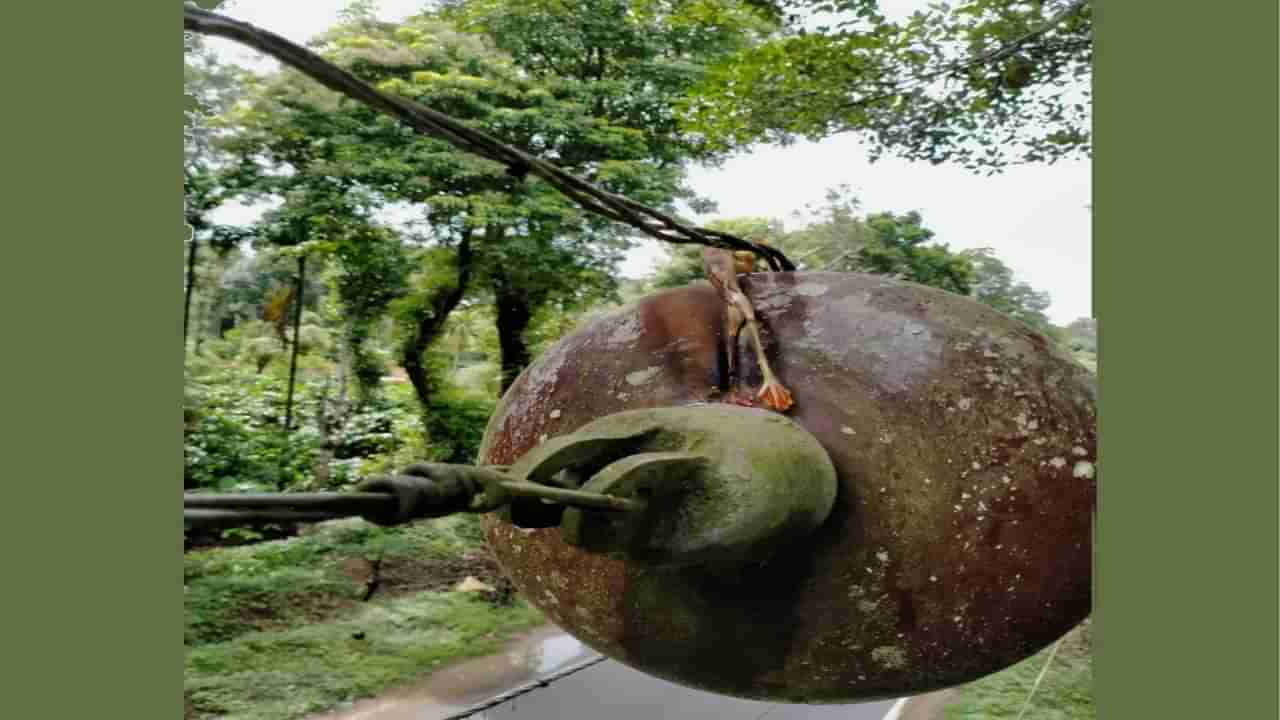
pixel 630 58
pixel 589 87
pixel 899 247
pixel 262 350
pixel 981 83
pixel 455 425
pixel 452 422
pixel 234 439
pixel 470 333
pixel 555 320
pixel 295 673
pixel 210 88
pixel 271 629
pixel 837 238
pixel 833 234
pixel 370 274
pixel 229 589
pixel 371 429
pixel 995 285
pixel 242 534
pixel 234 436
pixel 479 379
pixel 241 286
pixel 342 159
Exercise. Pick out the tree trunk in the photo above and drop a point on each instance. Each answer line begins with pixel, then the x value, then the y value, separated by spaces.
pixel 429 319
pixel 514 314
pixel 297 342
pixel 191 286
pixel 327 421
pixel 320 463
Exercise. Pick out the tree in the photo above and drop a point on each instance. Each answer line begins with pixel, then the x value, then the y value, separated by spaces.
pixel 336 162
pixel 203 192
pixel 625 62
pixel 247 283
pixel 981 83
pixel 899 247
pixel 833 235
pixel 331 220
pixel 210 89
pixel 632 58
pixel 297 340
pixel 209 314
pixel 994 285
pixel 837 238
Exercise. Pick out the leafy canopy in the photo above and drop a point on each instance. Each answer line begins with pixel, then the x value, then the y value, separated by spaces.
pixel 980 83
pixel 631 58
pixel 995 285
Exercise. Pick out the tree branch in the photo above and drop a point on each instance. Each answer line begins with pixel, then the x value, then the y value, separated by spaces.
pixel 430 320
pixel 978 59
pixel 438 125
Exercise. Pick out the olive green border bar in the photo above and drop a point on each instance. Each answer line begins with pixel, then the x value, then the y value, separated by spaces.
pixel 92 361
pixel 149 412
pixel 1185 249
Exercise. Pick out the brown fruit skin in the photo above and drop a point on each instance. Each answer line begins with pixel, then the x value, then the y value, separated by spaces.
pixel 960 541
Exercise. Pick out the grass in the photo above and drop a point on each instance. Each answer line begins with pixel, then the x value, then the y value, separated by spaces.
pixel 1065 693
pixel 277 630
pixel 232 591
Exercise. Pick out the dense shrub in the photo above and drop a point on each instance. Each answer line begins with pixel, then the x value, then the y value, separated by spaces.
pixel 455 426
pixel 233 424
pixel 234 435
pixel 371 429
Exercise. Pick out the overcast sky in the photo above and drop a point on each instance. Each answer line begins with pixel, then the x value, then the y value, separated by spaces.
pixel 1036 218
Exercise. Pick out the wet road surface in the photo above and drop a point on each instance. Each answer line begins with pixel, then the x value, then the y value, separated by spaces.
pixel 605 689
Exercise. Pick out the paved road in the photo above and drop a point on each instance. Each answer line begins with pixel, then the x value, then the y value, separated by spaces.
pixel 602 690
pixel 614 691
